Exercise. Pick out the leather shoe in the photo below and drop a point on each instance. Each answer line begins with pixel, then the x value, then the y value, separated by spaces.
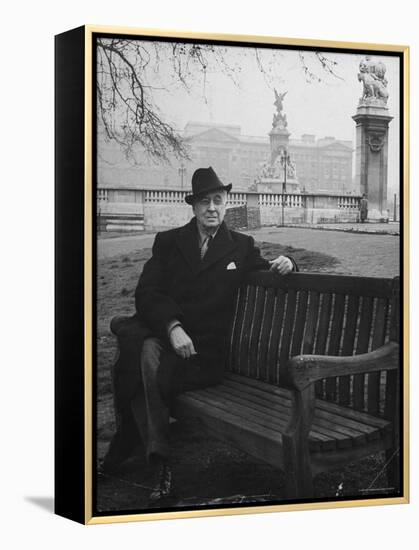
pixel 121 448
pixel 163 479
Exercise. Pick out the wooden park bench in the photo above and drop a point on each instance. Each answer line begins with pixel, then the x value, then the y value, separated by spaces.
pixel 312 379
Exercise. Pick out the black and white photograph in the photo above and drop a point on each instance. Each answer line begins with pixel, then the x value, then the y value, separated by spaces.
pixel 208 285
pixel 248 237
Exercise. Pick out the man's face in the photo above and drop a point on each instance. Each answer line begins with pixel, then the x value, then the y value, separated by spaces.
pixel 210 210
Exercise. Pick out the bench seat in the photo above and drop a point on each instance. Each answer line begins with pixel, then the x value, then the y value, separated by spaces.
pixel 255 415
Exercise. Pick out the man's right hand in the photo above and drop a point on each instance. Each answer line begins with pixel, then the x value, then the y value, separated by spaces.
pixel 181 342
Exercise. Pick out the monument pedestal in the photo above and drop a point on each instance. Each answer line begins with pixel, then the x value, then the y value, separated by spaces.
pixel 276 185
pixel 372 120
pixel 279 138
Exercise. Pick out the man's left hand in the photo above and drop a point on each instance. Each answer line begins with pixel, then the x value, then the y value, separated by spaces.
pixel 281 265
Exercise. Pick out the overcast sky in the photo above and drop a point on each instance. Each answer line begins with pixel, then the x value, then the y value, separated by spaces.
pixel 322 108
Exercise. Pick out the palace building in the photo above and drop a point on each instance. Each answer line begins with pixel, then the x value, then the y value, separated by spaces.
pixel 322 165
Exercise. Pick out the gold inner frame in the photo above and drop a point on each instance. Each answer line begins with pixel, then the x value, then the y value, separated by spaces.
pixel 88 273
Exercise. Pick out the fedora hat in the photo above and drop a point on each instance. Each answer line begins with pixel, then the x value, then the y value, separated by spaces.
pixel 205 180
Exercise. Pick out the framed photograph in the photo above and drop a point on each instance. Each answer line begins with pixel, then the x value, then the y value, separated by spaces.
pixel 231 274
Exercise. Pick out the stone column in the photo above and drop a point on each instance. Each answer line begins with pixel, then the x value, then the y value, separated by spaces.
pixel 372 158
pixel 279 139
pixel 372 124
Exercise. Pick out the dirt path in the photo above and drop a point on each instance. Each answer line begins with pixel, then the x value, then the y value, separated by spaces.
pixel 372 255
pixel 108 248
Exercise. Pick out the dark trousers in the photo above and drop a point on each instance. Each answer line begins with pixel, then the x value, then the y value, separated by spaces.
pixel 162 374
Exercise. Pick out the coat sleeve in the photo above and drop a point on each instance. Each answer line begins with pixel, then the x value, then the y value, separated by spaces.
pixel 255 262
pixel 153 304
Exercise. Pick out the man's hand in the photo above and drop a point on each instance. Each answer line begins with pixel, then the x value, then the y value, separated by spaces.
pixel 181 342
pixel 281 265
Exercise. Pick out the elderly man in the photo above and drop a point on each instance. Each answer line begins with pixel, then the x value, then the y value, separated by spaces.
pixel 184 302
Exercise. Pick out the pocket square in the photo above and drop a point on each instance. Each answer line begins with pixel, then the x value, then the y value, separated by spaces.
pixel 231 265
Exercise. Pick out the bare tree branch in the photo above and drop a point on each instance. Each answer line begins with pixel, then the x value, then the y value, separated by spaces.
pixel 327 64
pixel 128 73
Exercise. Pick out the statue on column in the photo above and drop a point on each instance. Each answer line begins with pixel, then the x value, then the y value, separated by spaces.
pixel 372 75
pixel 372 138
pixel 279 121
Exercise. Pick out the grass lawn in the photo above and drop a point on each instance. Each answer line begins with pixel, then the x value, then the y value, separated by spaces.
pixel 206 471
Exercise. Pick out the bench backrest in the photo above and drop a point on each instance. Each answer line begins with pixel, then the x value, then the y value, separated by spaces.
pixel 280 317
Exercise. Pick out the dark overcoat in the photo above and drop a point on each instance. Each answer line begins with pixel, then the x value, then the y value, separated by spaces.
pixel 177 284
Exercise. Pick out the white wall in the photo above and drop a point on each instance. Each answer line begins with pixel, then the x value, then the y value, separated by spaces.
pixel 27 274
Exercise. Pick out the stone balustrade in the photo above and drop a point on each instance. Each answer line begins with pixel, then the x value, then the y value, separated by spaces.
pixel 102 195
pixel 159 208
pixel 237 199
pixel 292 200
pixel 167 197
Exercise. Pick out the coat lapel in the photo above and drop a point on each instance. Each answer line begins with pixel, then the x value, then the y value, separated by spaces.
pixel 187 242
pixel 221 245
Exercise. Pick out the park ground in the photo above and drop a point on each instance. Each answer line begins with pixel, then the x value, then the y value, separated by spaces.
pixel 207 472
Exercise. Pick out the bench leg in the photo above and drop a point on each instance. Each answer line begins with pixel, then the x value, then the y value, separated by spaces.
pixel 298 475
pixel 393 468
pixel 297 464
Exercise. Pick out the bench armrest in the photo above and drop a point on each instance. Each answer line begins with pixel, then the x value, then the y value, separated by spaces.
pixel 303 370
pixel 119 322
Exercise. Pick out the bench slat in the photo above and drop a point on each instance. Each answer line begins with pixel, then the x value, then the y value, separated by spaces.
pixel 391 408
pixel 265 334
pixel 378 339
pixel 391 394
pixel 245 337
pixel 236 329
pixel 275 335
pixel 261 442
pixel 348 345
pixel 271 427
pixel 331 426
pixel 311 324
pixel 361 424
pixel 268 390
pixel 324 410
pixel 322 333
pixel 324 321
pixel 286 336
pixel 236 413
pixel 270 417
pixel 252 400
pixel 300 322
pixel 260 303
pixel 279 403
pixel 233 402
pixel 334 341
pixel 364 332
